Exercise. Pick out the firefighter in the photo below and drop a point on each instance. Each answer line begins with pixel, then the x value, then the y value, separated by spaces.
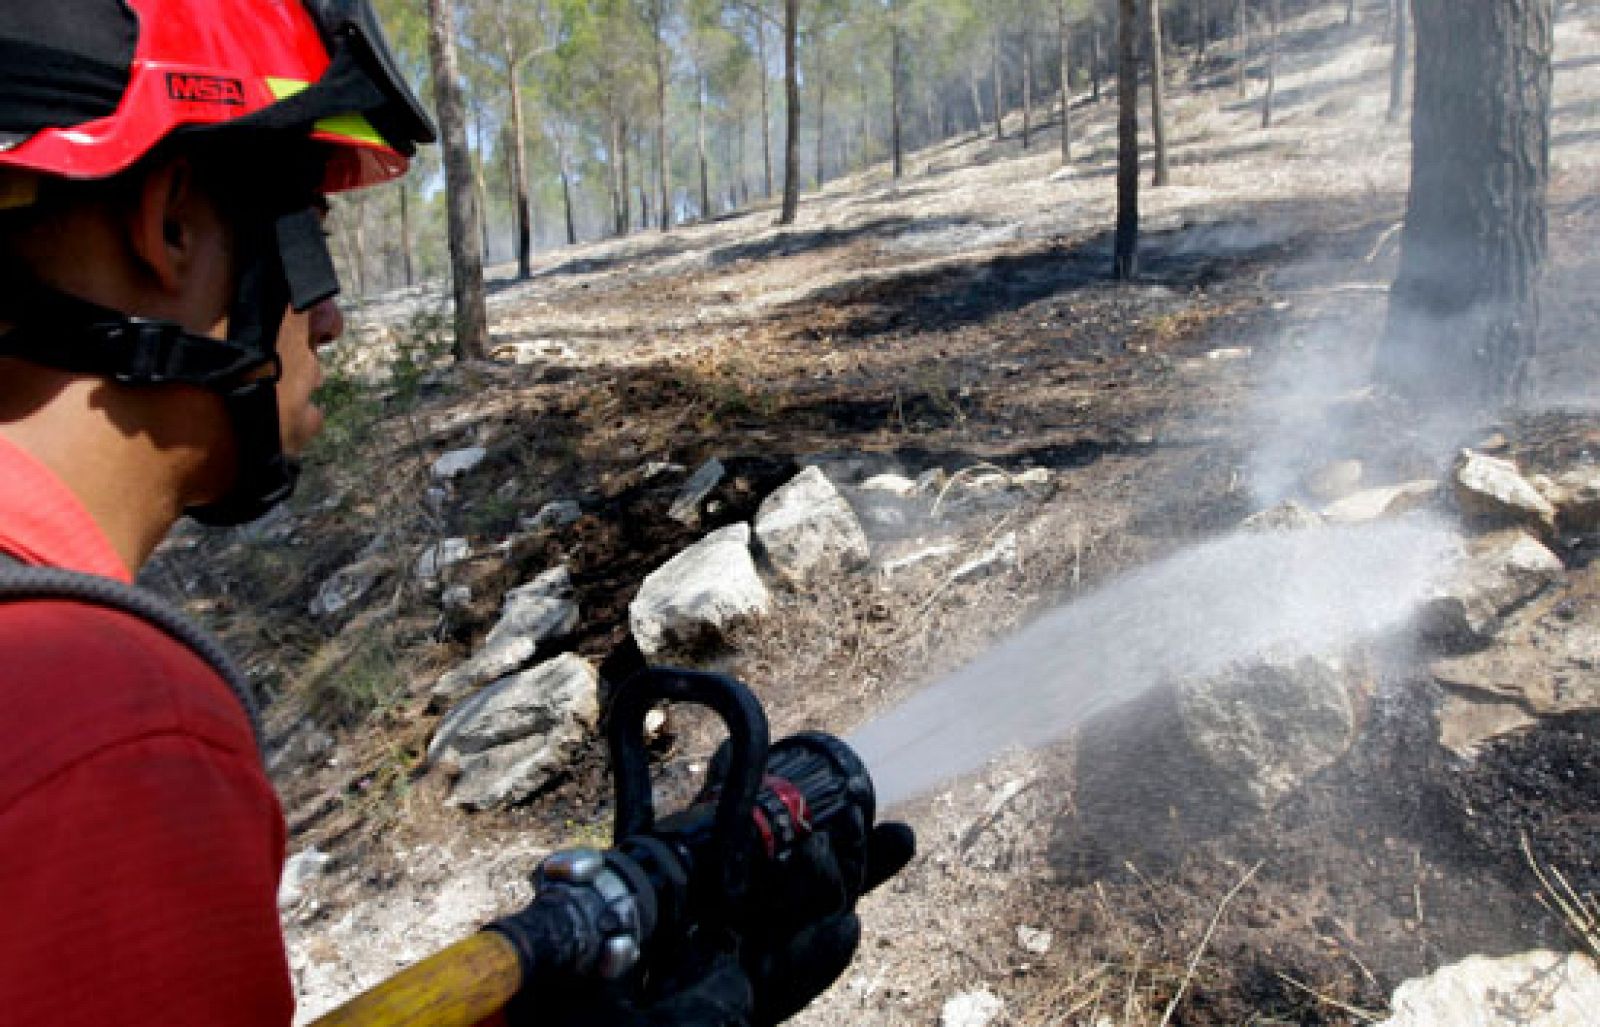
pixel 165 286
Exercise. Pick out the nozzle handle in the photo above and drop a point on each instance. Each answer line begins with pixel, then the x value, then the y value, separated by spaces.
pixel 747 758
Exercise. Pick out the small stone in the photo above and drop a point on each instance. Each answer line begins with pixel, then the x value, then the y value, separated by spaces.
pixel 655 722
pixel 441 555
pixel 1033 476
pixel 1492 491
pixel 456 597
pixel 1286 516
pixel 557 514
pixel 458 462
pixel 971 1009
pixel 686 508
pixel 1034 940
pixel 1003 555
pixel 300 872
pixel 894 484
pixel 1335 481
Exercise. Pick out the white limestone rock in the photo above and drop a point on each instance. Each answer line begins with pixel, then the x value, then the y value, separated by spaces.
pixel 458 462
pixel 507 741
pixel 1493 492
pixel 1532 989
pixel 686 508
pixel 441 556
pixel 530 615
pixel 699 595
pixel 806 528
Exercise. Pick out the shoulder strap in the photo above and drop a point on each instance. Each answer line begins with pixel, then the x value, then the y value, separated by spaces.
pixel 19 582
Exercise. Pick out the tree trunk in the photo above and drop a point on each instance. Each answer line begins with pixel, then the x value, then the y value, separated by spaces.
pixel 766 105
pixel 1158 97
pixel 1126 264
pixel 897 141
pixel 466 264
pixel 1397 64
pixel 700 145
pixel 822 114
pixel 1027 85
pixel 977 99
pixel 405 233
pixel 1241 43
pixel 1463 312
pixel 1350 12
pixel 482 183
pixel 566 195
pixel 1094 64
pixel 519 174
pixel 1065 57
pixel 1273 15
pixel 791 144
pixel 1202 29
pixel 664 155
pixel 999 89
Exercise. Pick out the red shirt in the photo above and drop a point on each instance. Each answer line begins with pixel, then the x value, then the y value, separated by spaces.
pixel 140 841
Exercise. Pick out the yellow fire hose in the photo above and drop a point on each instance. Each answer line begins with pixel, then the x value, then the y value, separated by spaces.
pixel 463 985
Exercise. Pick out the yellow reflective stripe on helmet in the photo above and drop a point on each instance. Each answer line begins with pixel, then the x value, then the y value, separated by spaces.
pixel 354 127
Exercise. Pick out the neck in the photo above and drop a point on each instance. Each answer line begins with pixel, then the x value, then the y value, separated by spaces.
pixel 135 459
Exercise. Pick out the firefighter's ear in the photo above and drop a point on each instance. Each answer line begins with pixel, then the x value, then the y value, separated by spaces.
pixel 162 224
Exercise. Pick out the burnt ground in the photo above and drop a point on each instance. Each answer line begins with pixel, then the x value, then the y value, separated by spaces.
pixel 963 318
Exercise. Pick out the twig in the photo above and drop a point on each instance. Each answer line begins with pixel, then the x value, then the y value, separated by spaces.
pixel 1574 908
pixel 934 514
pixel 1133 985
pixel 1356 1011
pixel 1194 960
pixel 1383 240
pixel 1148 887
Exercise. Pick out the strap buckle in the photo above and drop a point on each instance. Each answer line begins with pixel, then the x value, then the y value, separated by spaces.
pixel 152 351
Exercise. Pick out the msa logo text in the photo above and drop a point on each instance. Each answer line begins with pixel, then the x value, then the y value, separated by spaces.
pixel 205 89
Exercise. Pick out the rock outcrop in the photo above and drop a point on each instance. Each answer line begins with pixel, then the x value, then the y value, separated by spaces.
pixel 1504 570
pixel 695 598
pixel 1533 989
pixel 530 615
pixel 1491 492
pixel 505 742
pixel 806 528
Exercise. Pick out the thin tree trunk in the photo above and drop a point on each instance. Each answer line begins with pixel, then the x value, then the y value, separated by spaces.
pixel 1027 85
pixel 1273 13
pixel 519 173
pixel 897 142
pixel 1397 63
pixel 566 193
pixel 1350 13
pixel 977 99
pixel 1065 56
pixel 999 88
pixel 700 144
pixel 822 114
pixel 405 233
pixel 1094 64
pixel 466 265
pixel 664 155
pixel 1202 19
pixel 482 183
pixel 791 145
pixel 1463 312
pixel 1158 97
pixel 1241 43
pixel 1126 261
pixel 766 104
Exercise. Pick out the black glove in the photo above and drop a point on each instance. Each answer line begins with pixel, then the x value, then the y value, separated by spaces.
pixel 697 991
pixel 801 931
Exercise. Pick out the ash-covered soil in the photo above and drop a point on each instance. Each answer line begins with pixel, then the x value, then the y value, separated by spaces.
pixel 962 317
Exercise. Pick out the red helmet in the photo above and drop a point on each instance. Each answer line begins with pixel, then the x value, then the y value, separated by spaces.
pixel 198 63
pixel 300 95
